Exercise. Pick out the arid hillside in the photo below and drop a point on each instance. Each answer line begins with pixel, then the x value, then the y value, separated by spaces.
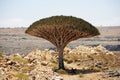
pixel 105 31
pixel 14 40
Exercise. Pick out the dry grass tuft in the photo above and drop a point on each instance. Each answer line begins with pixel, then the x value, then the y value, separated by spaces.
pixel 1 53
pixel 81 75
pixel 61 71
pixel 22 76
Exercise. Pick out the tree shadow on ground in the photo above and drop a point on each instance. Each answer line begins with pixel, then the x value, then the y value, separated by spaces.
pixel 78 71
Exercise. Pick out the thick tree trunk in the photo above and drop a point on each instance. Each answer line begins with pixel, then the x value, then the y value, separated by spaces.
pixel 60 58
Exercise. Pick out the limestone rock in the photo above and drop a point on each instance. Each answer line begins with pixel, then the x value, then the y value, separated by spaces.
pixel 36 65
pixel 44 63
pixel 34 55
pixel 57 78
pixel 88 50
pixel 1 72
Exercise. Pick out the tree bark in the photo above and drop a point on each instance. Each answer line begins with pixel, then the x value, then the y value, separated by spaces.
pixel 60 58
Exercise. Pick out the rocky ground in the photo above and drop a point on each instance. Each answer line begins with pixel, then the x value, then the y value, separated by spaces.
pixel 17 62
pixel 81 63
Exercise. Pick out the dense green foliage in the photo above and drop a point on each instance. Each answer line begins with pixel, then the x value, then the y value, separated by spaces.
pixel 73 22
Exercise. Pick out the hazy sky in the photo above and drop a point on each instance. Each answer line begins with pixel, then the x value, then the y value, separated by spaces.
pixel 22 13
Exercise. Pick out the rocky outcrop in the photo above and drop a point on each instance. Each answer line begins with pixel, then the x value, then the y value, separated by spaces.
pixel 38 64
pixel 88 50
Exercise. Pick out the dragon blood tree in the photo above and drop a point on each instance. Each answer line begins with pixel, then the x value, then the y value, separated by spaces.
pixel 60 30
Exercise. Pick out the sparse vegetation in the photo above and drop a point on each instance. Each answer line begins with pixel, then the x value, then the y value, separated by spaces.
pixel 22 76
pixel 0 46
pixel 18 67
pixel 1 53
pixel 20 60
pixel 119 39
pixel 53 60
pixel 62 71
pixel 69 61
pixel 54 67
pixel 9 67
pixel 81 75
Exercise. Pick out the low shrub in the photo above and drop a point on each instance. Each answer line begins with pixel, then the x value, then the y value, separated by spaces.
pixel 69 61
pixel 1 53
pixel 54 66
pixel 61 71
pixel 53 61
pixel 81 75
pixel 20 60
pixel 22 76
pixel 119 39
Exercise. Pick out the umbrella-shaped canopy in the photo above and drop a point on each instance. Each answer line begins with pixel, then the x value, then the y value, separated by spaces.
pixel 60 30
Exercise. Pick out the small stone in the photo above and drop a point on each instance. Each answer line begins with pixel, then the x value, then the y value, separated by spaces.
pixel 11 63
pixel 113 73
pixel 1 72
pixel 44 63
pixel 57 78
